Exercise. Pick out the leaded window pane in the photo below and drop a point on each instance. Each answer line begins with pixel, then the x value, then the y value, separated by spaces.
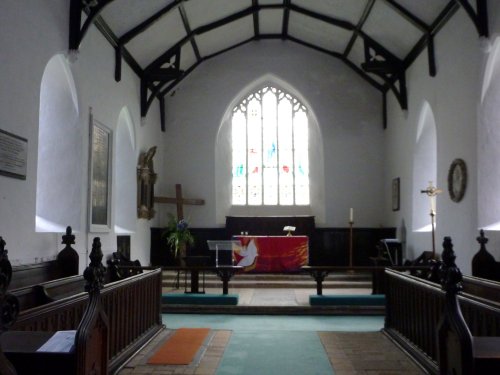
pixel 270 144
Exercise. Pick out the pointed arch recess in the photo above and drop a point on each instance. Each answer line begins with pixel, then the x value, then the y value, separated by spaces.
pixel 58 204
pixel 488 139
pixel 223 163
pixel 424 167
pixel 125 189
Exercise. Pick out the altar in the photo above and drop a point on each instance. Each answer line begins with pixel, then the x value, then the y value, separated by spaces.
pixel 279 254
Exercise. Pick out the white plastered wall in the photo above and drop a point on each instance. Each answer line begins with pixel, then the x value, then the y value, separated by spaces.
pixel 453 95
pixel 346 108
pixel 25 54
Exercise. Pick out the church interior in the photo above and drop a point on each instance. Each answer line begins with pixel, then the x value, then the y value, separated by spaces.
pixel 126 125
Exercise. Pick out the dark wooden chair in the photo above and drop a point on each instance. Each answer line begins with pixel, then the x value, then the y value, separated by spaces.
pixel 460 353
pixel 88 354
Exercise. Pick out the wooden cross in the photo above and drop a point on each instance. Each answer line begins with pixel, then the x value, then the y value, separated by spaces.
pixel 179 201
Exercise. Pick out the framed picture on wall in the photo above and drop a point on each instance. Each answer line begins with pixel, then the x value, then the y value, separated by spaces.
pixel 395 194
pixel 99 176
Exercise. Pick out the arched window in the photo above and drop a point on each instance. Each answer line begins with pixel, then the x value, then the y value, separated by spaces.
pixel 125 190
pixel 270 150
pixel 58 204
pixel 424 168
pixel 488 172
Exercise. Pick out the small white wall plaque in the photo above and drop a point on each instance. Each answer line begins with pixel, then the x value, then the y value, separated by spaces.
pixel 13 155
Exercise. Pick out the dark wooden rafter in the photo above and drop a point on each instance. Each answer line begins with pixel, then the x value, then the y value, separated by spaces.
pixel 157 80
pixel 424 27
pixel 410 17
pixel 286 19
pixel 389 68
pixel 185 22
pixel 321 17
pixel 479 17
pixel 143 26
pixel 357 29
pixel 365 76
pixel 256 25
pixel 427 40
pixel 76 31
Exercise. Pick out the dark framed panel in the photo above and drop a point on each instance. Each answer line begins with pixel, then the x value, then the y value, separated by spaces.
pixel 101 141
pixel 395 194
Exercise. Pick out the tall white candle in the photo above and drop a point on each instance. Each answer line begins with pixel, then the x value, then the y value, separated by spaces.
pixel 351 215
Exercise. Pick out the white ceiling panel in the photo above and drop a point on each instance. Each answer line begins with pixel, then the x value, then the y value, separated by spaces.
pixel 386 25
pixel 271 21
pixel 225 36
pixel 124 15
pixel 270 2
pixel 392 31
pixel 203 12
pixel 188 58
pixel 345 10
pixel 321 34
pixel 162 35
pixel 426 10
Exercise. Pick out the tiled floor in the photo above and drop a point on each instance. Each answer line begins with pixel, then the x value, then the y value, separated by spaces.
pixel 367 353
pixel 370 353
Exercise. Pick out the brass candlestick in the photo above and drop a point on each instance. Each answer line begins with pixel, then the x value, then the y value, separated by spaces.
pixel 432 192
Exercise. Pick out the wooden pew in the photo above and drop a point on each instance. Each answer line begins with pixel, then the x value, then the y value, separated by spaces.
pixel 133 307
pixel 66 264
pixel 458 351
pixel 415 306
pixel 34 284
pixel 87 349
pixel 484 264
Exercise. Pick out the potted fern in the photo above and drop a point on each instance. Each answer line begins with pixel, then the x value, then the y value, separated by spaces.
pixel 178 238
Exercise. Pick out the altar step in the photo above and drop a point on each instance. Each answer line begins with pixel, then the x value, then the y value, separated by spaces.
pixel 339 280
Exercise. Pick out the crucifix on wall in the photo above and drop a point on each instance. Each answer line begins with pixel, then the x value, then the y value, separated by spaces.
pixel 179 201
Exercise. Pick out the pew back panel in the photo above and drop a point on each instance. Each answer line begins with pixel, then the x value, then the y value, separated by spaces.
pixel 413 310
pixel 31 274
pixel 131 305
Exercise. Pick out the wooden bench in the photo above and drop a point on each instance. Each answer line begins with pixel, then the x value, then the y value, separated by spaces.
pixel 319 273
pixel 414 314
pixel 84 352
pixel 133 307
pixel 225 273
pixel 484 264
pixel 459 352
pixel 66 264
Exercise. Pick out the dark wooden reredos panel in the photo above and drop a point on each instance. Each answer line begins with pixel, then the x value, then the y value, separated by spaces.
pixel 327 246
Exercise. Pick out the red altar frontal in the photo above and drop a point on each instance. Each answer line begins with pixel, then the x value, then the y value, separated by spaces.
pixel 272 253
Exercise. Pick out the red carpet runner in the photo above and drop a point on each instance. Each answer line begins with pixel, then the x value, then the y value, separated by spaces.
pixel 181 347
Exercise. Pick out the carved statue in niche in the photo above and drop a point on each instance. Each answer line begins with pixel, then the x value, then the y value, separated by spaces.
pixel 146 178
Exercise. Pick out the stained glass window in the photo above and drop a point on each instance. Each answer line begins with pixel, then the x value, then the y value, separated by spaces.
pixel 270 150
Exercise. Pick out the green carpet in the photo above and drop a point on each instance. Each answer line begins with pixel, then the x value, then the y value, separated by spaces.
pixel 273 344
pixel 274 353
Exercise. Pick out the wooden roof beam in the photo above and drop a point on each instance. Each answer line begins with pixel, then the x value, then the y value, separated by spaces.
pixel 479 18
pixel 76 31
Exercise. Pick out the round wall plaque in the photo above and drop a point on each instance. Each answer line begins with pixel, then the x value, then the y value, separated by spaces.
pixel 457 180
